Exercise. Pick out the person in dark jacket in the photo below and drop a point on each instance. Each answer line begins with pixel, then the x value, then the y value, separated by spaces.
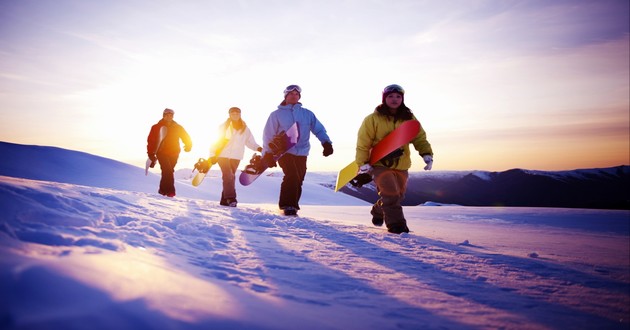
pixel 293 163
pixel 166 151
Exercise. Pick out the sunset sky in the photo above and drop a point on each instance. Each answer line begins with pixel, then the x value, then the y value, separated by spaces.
pixel 497 84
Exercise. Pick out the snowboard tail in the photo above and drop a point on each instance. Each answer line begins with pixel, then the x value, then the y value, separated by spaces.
pixel 149 163
pixel 202 166
pixel 402 135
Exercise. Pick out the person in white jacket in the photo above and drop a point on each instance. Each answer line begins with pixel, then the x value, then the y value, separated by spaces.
pixel 228 152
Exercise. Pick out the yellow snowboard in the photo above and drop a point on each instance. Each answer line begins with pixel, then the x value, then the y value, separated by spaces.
pixel 346 174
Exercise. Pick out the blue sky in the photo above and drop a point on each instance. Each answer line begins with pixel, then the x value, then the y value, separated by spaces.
pixel 496 84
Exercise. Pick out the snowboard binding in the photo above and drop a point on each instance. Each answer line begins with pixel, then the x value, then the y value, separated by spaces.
pixel 202 166
pixel 278 144
pixel 255 164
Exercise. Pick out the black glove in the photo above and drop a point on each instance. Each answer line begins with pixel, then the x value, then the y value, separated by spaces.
pixel 202 166
pixel 268 161
pixel 328 149
pixel 361 179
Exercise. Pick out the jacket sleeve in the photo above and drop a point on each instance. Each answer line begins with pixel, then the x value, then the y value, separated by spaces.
pixel 152 139
pixel 319 130
pixel 250 141
pixel 365 139
pixel 270 130
pixel 185 138
pixel 420 142
pixel 219 141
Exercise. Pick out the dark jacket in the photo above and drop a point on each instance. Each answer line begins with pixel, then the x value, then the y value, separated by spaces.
pixel 170 144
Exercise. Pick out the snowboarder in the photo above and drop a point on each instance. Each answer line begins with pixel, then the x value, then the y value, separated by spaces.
pixel 293 163
pixel 166 152
pixel 390 174
pixel 229 150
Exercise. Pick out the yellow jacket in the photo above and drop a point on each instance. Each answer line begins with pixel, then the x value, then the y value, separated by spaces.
pixel 375 127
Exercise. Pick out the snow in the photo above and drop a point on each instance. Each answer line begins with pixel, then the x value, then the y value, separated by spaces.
pixel 100 249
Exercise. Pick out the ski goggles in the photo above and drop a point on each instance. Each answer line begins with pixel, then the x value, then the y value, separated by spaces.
pixel 168 111
pixel 292 88
pixel 394 89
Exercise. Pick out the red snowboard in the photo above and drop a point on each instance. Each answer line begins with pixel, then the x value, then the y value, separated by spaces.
pixel 402 135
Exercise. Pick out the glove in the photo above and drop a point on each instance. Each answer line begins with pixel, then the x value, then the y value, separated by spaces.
pixel 187 148
pixel 364 176
pixel 202 166
pixel 152 157
pixel 328 149
pixel 428 159
pixel 268 161
pixel 259 149
pixel 365 169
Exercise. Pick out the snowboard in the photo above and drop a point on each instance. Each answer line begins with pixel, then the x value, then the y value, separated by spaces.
pixel 203 167
pixel 148 163
pixel 397 138
pixel 201 164
pixel 255 168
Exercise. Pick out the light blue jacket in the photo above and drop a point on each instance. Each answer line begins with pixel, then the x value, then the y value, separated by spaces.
pixel 284 117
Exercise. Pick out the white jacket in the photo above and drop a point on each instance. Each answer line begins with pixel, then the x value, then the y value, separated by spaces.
pixel 237 140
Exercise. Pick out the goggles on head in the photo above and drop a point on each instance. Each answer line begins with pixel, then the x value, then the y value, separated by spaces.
pixel 292 88
pixel 168 111
pixel 394 89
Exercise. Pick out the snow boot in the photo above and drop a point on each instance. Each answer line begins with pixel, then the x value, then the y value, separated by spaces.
pixel 290 210
pixel 398 228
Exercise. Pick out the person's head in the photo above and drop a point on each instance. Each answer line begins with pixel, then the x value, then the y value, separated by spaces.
pixel 292 94
pixel 235 113
pixel 393 96
pixel 168 114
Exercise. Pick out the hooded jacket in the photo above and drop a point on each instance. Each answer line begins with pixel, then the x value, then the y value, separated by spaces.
pixel 376 126
pixel 170 144
pixel 284 117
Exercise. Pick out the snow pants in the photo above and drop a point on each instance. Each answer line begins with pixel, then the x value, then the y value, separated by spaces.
pixel 391 186
pixel 228 175
pixel 167 165
pixel 294 169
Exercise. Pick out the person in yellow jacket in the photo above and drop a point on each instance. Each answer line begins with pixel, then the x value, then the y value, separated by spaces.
pixel 391 173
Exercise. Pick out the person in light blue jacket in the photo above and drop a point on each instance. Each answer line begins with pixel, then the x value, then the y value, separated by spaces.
pixel 293 163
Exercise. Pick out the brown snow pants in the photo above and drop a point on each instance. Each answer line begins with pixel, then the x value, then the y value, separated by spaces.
pixel 391 186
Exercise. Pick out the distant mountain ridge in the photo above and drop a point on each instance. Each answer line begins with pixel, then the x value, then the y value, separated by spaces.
pixel 601 188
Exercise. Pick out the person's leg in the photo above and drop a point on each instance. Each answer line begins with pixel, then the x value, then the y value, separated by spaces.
pixel 294 169
pixel 231 189
pixel 227 175
pixel 392 185
pixel 167 182
pixel 300 165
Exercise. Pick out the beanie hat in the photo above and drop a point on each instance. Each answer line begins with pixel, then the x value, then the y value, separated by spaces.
pixel 292 88
pixel 393 89
pixel 167 110
pixel 234 109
